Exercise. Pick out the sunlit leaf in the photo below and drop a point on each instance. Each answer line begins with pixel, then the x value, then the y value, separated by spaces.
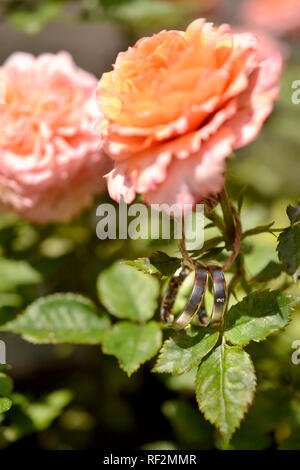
pixel 6 387
pixel 133 344
pixel 5 404
pixel 225 385
pixel 60 318
pixel 14 273
pixel 185 349
pixel 28 417
pixel 6 384
pixel 257 316
pixel 44 412
pixel 128 293
pixel 158 263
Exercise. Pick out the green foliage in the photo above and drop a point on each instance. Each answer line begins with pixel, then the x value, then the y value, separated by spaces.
pixel 257 316
pixel 6 384
pixel 266 414
pixel 5 404
pixel 288 248
pixel 37 262
pixel 191 430
pixel 60 318
pixel 127 293
pixel 225 378
pixel 6 387
pixel 33 21
pixel 157 263
pixel 43 412
pixel 271 271
pixel 9 299
pixel 292 442
pixel 27 417
pixel 14 273
pixel 225 385
pixel 133 344
pixel 185 349
pixel 293 213
pixel 137 16
pixel 225 381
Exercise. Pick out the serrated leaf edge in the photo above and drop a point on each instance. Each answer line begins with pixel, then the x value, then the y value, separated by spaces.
pixel 52 297
pixel 275 330
pixel 129 374
pixel 280 242
pixel 169 371
pixel 229 436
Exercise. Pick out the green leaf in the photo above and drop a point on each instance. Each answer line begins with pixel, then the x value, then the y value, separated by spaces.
pixel 44 412
pixel 56 247
pixel 158 263
pixel 133 344
pixel 60 318
pixel 257 316
pixel 212 254
pixel 293 213
pixel 8 220
pixel 6 387
pixel 288 248
pixel 14 273
pixel 127 293
pixel 10 299
pixel 5 404
pixel 6 384
pixel 271 271
pixel 225 385
pixel 185 349
pixel 28 417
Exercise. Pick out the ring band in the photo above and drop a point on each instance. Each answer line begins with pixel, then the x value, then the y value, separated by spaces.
pixel 194 306
pixel 166 310
pixel 194 302
pixel 220 297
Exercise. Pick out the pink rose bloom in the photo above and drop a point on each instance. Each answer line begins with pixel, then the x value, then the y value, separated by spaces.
pixel 268 43
pixel 51 163
pixel 277 16
pixel 177 104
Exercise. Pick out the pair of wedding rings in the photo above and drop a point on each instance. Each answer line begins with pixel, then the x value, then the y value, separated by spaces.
pixel 195 305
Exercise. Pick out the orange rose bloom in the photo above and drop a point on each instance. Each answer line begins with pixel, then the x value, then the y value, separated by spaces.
pixel 177 104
